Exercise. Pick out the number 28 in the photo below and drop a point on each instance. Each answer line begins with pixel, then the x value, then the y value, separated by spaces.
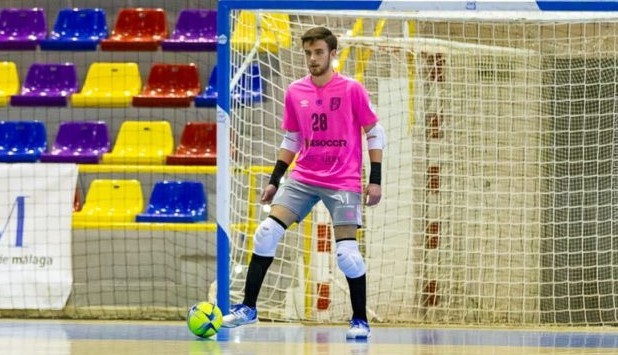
pixel 319 122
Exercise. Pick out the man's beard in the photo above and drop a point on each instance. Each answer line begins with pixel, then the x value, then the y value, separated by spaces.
pixel 318 71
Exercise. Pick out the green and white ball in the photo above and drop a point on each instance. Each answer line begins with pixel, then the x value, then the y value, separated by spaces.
pixel 204 319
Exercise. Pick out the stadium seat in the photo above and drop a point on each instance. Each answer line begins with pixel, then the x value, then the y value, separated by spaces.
pixel 137 29
pixel 175 202
pixel 47 85
pixel 111 201
pixel 79 142
pixel 146 142
pixel 247 91
pixel 9 82
pixel 77 30
pixel 169 85
pixel 198 145
pixel 196 30
pixel 275 32
pixel 22 29
pixel 208 98
pixel 109 85
pixel 22 141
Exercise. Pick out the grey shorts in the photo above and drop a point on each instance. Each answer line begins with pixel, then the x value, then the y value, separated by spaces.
pixel 344 206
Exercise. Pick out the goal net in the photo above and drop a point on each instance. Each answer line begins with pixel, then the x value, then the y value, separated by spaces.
pixel 498 177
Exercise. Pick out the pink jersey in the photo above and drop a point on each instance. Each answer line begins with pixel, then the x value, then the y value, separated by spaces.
pixel 330 120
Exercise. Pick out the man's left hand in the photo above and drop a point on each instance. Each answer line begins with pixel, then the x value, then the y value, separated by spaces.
pixel 373 194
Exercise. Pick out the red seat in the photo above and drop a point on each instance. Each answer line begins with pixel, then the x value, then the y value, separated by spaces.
pixel 169 85
pixel 137 29
pixel 198 145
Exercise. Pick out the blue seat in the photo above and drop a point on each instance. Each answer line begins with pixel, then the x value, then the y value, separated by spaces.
pixel 208 97
pixel 22 141
pixel 248 91
pixel 175 202
pixel 77 29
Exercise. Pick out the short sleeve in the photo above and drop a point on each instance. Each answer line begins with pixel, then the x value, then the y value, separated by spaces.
pixel 290 121
pixel 362 106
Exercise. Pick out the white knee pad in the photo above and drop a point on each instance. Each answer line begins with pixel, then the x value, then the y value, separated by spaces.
pixel 349 259
pixel 267 237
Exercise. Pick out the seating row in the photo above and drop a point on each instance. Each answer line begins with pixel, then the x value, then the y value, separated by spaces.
pixel 138 142
pixel 121 201
pixel 136 29
pixel 120 85
pixel 84 29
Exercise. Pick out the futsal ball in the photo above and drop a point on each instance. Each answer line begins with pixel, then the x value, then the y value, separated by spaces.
pixel 204 319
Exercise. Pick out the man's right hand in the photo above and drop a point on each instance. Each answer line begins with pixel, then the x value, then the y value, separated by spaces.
pixel 267 194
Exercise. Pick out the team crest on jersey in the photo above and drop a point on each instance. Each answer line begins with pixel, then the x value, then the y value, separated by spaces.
pixel 335 102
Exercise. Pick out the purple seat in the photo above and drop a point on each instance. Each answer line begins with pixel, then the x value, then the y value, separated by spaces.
pixel 47 85
pixel 79 142
pixel 196 30
pixel 22 29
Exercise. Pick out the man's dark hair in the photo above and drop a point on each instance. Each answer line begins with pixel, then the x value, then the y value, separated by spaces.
pixel 318 33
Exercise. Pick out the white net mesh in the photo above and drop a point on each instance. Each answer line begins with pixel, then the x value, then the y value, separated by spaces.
pixel 498 200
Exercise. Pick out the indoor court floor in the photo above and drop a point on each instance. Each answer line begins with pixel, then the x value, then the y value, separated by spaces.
pixel 120 338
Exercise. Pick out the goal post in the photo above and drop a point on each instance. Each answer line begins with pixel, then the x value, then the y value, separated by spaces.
pixel 499 188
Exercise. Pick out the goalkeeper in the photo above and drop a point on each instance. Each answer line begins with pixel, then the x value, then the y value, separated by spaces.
pixel 323 117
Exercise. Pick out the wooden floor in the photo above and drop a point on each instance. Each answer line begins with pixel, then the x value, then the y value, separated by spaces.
pixel 119 338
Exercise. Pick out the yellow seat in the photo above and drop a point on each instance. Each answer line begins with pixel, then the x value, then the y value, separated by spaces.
pixel 111 201
pixel 9 82
pixel 109 85
pixel 275 32
pixel 141 142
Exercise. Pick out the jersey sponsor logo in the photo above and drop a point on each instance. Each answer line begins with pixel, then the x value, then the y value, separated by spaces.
pixel 329 159
pixel 326 142
pixel 335 102
pixel 326 159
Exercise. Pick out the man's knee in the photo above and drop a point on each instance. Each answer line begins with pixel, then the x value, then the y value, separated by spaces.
pixel 267 236
pixel 349 259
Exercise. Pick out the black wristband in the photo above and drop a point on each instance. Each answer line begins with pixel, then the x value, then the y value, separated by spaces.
pixel 278 171
pixel 375 175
